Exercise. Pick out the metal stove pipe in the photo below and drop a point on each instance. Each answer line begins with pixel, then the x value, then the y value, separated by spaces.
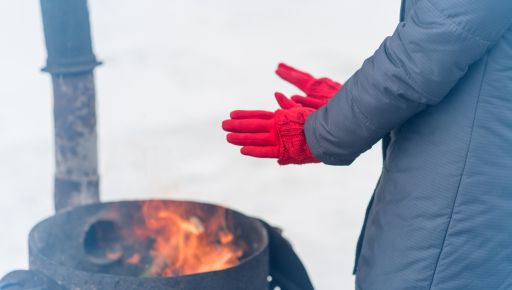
pixel 71 63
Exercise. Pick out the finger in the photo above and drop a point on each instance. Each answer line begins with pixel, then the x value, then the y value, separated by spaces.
pixel 310 102
pixel 300 79
pixel 248 125
pixel 284 102
pixel 252 139
pixel 254 114
pixel 323 88
pixel 261 152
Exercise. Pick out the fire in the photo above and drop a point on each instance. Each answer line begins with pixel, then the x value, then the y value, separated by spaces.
pixel 187 241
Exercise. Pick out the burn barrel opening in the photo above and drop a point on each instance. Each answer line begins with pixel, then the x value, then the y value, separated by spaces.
pixel 103 243
pixel 96 244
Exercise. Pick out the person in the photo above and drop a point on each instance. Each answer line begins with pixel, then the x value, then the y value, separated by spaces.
pixel 438 93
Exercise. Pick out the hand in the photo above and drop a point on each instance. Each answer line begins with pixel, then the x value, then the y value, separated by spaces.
pixel 278 134
pixel 318 91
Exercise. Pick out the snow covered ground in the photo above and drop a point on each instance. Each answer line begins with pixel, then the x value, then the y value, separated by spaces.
pixel 173 71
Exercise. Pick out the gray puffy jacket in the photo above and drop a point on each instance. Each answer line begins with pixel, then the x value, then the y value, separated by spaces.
pixel 439 94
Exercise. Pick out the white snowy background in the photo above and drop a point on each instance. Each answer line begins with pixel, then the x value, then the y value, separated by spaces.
pixel 174 69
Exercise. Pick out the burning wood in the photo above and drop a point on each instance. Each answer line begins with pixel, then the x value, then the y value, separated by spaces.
pixel 134 259
pixel 187 242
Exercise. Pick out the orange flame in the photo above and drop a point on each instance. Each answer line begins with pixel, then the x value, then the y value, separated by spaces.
pixel 187 241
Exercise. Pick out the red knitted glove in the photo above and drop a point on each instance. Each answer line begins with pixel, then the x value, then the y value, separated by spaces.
pixel 318 91
pixel 278 134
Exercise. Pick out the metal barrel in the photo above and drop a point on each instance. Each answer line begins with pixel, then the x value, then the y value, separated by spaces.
pixel 71 63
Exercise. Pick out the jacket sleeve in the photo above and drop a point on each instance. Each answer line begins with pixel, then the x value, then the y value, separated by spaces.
pixel 429 52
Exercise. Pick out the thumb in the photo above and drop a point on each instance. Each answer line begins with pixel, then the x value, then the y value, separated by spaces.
pixel 284 102
pixel 310 102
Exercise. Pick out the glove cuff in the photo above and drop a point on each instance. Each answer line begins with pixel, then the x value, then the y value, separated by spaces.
pixel 293 148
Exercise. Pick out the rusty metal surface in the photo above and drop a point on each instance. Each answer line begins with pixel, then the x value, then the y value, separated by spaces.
pixel 71 62
pixel 76 153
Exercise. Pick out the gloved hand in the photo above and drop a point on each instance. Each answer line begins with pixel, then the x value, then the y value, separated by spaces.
pixel 318 91
pixel 278 134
